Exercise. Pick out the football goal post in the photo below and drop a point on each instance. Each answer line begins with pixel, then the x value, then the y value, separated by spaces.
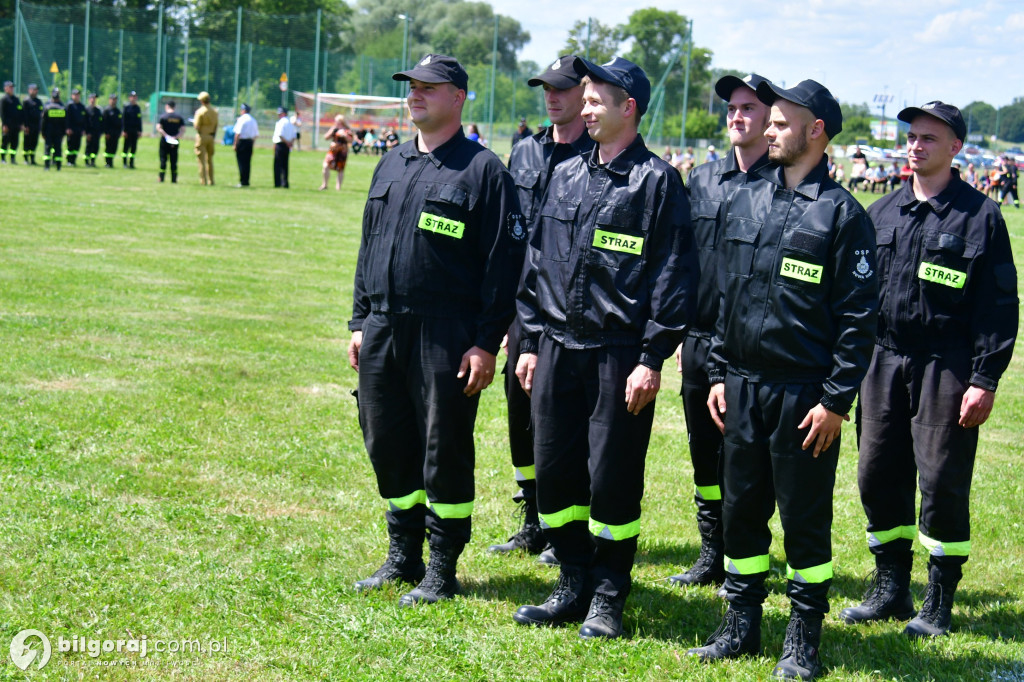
pixel 362 112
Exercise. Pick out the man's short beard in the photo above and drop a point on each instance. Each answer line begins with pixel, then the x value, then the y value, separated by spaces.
pixel 790 156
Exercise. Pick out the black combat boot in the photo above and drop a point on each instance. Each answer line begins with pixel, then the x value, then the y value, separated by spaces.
pixel 567 603
pixel 439 582
pixel 738 635
pixel 888 596
pixel 800 650
pixel 710 566
pixel 161 176
pixel 604 619
pixel 529 538
pixel 403 564
pixel 936 614
pixel 174 177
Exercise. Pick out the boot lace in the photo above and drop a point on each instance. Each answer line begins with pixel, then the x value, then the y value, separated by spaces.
pixel 930 608
pixel 880 583
pixel 729 630
pixel 795 645
pixel 567 588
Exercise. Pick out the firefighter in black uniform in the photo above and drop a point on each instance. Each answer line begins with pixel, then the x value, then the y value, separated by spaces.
pixel 132 122
pixel 440 258
pixel 111 131
pixel 31 110
pixel 93 130
pixel 792 342
pixel 76 125
pixel 611 288
pixel 10 117
pixel 711 185
pixel 947 323
pixel 54 125
pixel 531 163
pixel 171 126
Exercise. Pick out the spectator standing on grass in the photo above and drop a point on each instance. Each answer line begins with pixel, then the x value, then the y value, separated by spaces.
pixel 440 257
pixel 792 342
pixel 132 120
pixel 946 330
pixel 610 288
pixel 1008 180
pixel 170 128
pixel 712 154
pixel 532 163
pixel 296 120
pixel 246 131
pixel 284 138
pixel 11 119
pixel 522 132
pixel 339 137
pixel 112 130
pixel 93 130
pixel 205 122
pixel 711 185
pixel 31 110
pixel 75 125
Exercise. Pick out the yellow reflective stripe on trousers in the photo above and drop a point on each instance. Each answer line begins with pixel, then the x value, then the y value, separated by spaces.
pixel 748 566
pixel 810 575
pixel 880 537
pixel 608 532
pixel 939 548
pixel 462 510
pixel 560 518
pixel 407 502
pixel 526 473
pixel 710 493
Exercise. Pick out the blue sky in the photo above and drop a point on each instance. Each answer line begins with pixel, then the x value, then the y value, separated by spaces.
pixel 957 52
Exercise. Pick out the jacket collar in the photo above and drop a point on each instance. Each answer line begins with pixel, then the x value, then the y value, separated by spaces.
pixel 810 186
pixel 939 203
pixel 438 156
pixel 728 165
pixel 580 144
pixel 624 161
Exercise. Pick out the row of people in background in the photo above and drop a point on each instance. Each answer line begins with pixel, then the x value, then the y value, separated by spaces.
pixel 54 121
pixel 999 183
pixel 367 139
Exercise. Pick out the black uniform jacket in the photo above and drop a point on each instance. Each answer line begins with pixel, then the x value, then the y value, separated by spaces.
pixel 442 237
pixel 31 110
pixel 798 285
pixel 54 119
pixel 947 277
pixel 132 118
pixel 612 257
pixel 111 121
pixel 533 159
pixel 711 185
pixel 10 111
pixel 76 117
pixel 94 120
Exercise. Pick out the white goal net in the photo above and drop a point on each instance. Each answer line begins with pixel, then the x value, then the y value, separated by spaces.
pixel 361 112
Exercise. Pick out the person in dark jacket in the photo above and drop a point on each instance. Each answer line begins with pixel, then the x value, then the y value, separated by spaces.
pixel 798 309
pixel 131 120
pixel 112 130
pixel 11 119
pixel 31 110
pixel 93 130
pixel 946 329
pixel 441 253
pixel 611 287
pixel 170 128
pixel 531 163
pixel 711 185
pixel 76 125
pixel 54 125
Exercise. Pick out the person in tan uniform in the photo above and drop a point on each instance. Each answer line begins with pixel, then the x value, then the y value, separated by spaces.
pixel 205 123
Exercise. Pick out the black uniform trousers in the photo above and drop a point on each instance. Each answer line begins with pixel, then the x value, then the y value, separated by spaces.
pixel 131 143
pixel 53 148
pixel 763 464
pixel 74 144
pixel 110 150
pixel 908 432
pixel 168 152
pixel 703 436
pixel 29 143
pixel 590 455
pixel 243 154
pixel 281 151
pixel 92 147
pixel 520 431
pixel 10 142
pixel 417 422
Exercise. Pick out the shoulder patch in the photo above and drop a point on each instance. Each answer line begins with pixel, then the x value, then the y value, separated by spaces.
pixel 516 229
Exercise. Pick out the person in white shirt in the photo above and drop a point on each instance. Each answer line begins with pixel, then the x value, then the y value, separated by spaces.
pixel 246 132
pixel 284 137
pixel 296 120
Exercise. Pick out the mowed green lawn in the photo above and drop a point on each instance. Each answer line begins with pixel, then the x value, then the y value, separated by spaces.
pixel 180 458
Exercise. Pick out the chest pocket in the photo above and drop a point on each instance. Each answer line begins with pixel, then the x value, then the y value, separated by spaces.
pixel 704 215
pixel 619 241
pixel 555 230
pixel 445 213
pixel 946 264
pixel 803 259
pixel 739 241
pixel 376 201
pixel 527 182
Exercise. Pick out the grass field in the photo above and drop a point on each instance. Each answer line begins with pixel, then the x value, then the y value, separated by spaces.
pixel 180 459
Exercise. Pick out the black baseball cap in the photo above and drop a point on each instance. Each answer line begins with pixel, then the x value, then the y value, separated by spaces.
pixel 245 107
pixel 621 72
pixel 133 94
pixel 436 68
pixel 76 91
pixel 282 110
pixel 8 84
pixel 93 95
pixel 560 75
pixel 33 86
pixel 112 96
pixel 55 92
pixel 946 113
pixel 726 85
pixel 810 94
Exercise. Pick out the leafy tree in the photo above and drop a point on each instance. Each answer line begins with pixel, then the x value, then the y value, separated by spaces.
pixel 1011 121
pixel 980 118
pixel 601 41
